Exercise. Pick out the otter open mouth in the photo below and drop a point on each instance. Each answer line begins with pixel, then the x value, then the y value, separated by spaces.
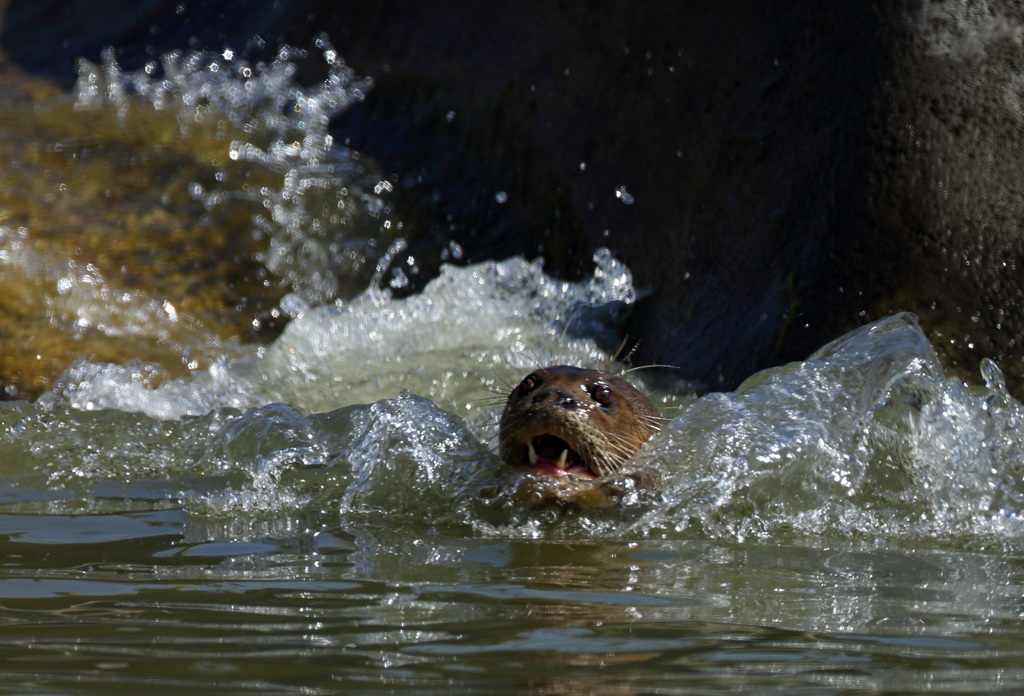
pixel 552 454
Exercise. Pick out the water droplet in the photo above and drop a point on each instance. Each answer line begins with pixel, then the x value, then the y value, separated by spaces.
pixel 993 376
pixel 170 311
pixel 398 279
pixel 293 305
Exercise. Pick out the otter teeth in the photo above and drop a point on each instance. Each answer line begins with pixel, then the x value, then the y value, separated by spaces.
pixel 561 463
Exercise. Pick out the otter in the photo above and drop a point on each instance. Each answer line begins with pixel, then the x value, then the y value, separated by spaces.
pixel 572 421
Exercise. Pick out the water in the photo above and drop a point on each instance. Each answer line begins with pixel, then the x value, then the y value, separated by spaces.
pixel 325 512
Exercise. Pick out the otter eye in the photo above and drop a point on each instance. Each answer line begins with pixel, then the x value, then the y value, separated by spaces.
pixel 602 394
pixel 528 384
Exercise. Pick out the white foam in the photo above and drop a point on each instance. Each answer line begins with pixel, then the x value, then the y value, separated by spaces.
pixel 471 331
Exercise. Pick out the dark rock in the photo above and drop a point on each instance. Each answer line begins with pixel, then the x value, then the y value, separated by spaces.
pixel 936 226
pixel 773 173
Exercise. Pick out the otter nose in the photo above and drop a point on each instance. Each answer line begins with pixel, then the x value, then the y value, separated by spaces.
pixel 556 396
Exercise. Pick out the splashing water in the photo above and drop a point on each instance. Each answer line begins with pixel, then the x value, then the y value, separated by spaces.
pixel 471 332
pixel 866 440
pixel 332 500
pixel 319 206
pixel 469 329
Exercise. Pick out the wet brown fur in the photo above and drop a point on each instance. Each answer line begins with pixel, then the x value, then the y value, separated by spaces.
pixel 562 401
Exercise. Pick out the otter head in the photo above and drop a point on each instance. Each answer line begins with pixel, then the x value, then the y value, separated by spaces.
pixel 572 421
